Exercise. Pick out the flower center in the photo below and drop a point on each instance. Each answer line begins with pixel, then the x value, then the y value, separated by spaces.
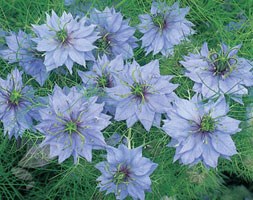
pixel 122 175
pixel 138 90
pixel 103 81
pixel 103 43
pixel 222 64
pixel 159 21
pixel 15 97
pixel 62 35
pixel 207 124
pixel 71 127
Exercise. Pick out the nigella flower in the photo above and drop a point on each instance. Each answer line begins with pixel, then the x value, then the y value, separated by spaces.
pixel 15 104
pixel 125 173
pixel 65 40
pixel 143 94
pixel 69 2
pixel 72 124
pixel 21 49
pixel 238 24
pixel 201 132
pixel 219 72
pixel 102 75
pixel 116 35
pixel 164 28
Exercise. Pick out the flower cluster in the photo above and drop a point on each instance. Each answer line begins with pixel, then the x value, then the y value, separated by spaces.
pixel 72 122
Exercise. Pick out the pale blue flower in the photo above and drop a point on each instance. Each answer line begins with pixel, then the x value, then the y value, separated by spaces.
pixel 126 173
pixel 164 28
pixel 201 132
pixel 117 37
pixel 65 40
pixel 102 75
pixel 21 49
pixel 142 94
pixel 16 104
pixel 218 73
pixel 72 124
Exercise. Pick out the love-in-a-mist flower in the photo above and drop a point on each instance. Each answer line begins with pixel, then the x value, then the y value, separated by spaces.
pixel 21 49
pixel 164 28
pixel 126 173
pixel 65 40
pixel 117 37
pixel 72 124
pixel 102 75
pixel 219 72
pixel 201 132
pixel 69 2
pixel 143 94
pixel 15 105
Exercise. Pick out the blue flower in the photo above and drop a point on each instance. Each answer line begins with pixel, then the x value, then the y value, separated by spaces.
pixel 125 173
pixel 69 2
pixel 72 124
pixel 116 35
pixel 201 132
pixel 164 28
pixel 15 105
pixel 219 72
pixel 142 94
pixel 21 49
pixel 65 40
pixel 102 75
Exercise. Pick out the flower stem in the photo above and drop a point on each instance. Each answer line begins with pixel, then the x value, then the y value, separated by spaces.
pixel 129 138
